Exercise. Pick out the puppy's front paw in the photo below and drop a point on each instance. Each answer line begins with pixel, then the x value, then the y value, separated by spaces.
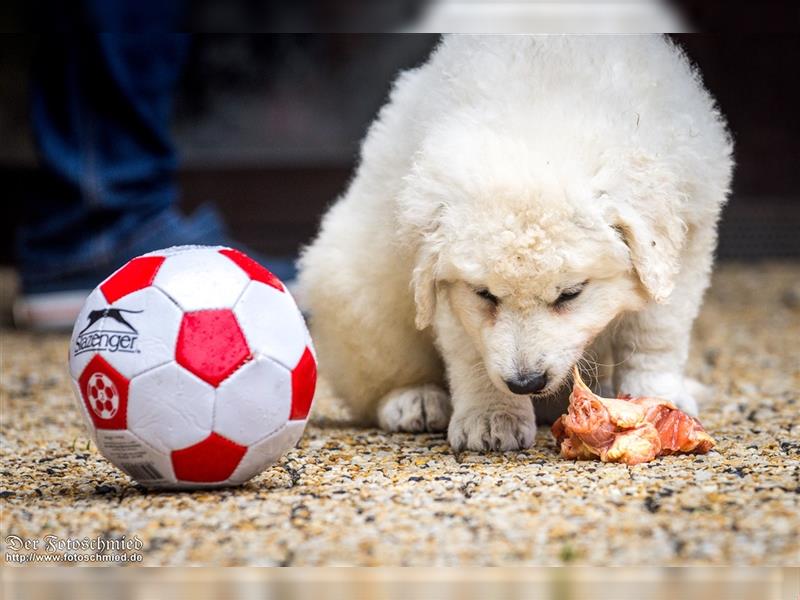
pixel 506 428
pixel 416 409
pixel 663 385
pixel 686 403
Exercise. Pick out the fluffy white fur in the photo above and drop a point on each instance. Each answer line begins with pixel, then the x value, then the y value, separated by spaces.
pixel 521 166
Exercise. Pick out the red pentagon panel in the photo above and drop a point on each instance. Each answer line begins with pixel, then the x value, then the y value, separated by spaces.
pixel 252 268
pixel 304 382
pixel 214 459
pixel 211 344
pixel 135 275
pixel 105 393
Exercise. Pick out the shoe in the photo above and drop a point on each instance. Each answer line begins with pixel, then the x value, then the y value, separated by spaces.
pixel 53 303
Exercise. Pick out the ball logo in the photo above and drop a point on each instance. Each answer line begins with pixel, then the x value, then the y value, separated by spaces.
pixel 121 337
pixel 103 396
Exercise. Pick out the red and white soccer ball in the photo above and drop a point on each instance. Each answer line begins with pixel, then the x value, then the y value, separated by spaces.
pixel 193 367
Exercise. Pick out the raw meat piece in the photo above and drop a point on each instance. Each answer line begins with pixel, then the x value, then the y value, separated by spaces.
pixel 625 429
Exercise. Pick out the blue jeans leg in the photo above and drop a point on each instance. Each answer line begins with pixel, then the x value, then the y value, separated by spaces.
pixel 100 108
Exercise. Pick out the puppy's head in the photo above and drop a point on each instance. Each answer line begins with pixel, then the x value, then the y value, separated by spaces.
pixel 533 289
pixel 531 264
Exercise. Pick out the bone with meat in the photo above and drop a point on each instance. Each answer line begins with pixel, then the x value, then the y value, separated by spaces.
pixel 625 429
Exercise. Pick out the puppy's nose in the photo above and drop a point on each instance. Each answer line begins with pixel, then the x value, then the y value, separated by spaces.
pixel 527 383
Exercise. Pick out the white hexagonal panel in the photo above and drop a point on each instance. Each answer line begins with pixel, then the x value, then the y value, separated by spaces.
pixel 201 279
pixel 272 323
pixel 253 402
pixel 267 451
pixel 173 250
pixel 136 333
pixel 169 408
pixel 83 344
pixel 143 463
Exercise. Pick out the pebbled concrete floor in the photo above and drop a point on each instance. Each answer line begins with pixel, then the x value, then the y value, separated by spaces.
pixel 350 496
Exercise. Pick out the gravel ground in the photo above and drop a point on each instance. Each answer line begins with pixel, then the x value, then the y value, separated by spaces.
pixel 350 496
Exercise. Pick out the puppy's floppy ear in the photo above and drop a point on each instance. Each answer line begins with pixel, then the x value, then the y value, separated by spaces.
pixel 423 282
pixel 419 226
pixel 655 240
pixel 421 205
pixel 643 199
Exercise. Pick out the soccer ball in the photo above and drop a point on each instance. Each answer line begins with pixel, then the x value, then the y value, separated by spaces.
pixel 192 367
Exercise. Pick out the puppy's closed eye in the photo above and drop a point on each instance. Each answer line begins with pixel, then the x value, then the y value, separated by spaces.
pixel 569 294
pixel 488 296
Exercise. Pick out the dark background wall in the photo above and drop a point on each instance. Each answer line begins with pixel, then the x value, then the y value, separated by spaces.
pixel 268 128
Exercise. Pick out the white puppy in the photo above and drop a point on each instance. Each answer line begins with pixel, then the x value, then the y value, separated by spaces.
pixel 522 202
